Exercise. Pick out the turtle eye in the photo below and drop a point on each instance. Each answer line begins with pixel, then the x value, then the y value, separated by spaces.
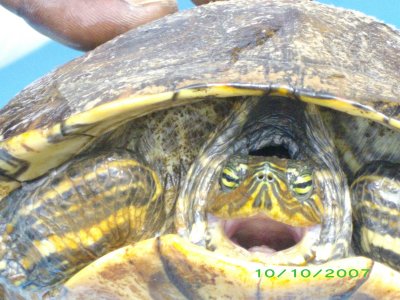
pixel 230 178
pixel 302 184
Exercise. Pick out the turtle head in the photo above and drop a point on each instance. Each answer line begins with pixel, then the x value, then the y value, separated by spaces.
pixel 281 189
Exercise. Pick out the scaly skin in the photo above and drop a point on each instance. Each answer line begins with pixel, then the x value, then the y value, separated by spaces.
pixel 281 189
pixel 376 212
pixel 76 215
pixel 253 125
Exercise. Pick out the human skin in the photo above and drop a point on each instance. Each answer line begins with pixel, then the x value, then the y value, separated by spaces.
pixel 84 25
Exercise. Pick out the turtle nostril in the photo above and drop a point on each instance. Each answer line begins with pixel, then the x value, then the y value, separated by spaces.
pixel 270 178
pixel 261 177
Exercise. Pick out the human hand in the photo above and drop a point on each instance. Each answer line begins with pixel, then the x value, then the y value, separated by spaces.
pixel 86 24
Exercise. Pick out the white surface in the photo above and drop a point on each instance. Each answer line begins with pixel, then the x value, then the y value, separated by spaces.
pixel 17 38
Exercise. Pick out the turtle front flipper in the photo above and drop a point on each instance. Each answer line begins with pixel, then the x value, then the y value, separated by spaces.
pixel 376 202
pixel 77 214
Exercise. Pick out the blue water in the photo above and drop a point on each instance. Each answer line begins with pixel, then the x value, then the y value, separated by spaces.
pixel 16 76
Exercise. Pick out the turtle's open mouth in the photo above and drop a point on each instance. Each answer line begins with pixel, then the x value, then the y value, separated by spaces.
pixel 262 234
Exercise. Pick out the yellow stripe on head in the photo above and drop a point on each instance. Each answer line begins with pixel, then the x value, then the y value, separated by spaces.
pixel 283 189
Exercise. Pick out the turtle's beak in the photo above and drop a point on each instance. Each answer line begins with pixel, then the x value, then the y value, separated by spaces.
pixel 262 239
pixel 262 234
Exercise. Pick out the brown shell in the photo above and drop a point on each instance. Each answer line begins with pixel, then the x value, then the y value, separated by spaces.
pixel 303 45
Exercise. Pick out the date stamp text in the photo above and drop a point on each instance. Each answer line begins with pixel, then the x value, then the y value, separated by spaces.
pixel 312 273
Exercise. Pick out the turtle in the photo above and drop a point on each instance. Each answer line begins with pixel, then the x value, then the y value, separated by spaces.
pixel 238 150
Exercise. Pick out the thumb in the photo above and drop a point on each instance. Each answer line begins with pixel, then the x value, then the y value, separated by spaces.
pixel 86 24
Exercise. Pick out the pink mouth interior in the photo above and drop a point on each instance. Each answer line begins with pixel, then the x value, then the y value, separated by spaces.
pixel 262 234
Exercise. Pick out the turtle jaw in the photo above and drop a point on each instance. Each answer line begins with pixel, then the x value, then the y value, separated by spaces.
pixel 262 234
pixel 261 239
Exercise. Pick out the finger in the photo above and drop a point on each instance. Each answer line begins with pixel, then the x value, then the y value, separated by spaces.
pixel 201 2
pixel 86 24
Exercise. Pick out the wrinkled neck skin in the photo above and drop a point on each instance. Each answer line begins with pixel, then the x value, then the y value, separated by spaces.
pixel 254 126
